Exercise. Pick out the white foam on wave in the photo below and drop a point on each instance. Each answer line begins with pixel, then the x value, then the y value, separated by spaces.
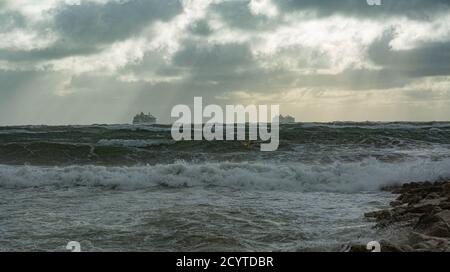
pixel 367 175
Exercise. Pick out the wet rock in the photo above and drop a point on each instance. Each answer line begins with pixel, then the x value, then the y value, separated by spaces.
pixel 409 198
pixel 424 207
pixel 396 203
pixel 422 242
pixel 420 214
pixel 390 247
pixel 433 225
pixel 379 215
pixel 445 216
pixel 446 189
pixel 355 248
pixel 445 205
pixel 433 195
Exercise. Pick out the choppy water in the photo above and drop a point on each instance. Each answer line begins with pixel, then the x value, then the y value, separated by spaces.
pixel 122 187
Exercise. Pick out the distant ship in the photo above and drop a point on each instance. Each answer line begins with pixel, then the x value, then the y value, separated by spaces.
pixel 144 119
pixel 286 119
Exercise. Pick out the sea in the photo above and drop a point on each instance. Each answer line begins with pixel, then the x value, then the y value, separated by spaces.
pixel 132 188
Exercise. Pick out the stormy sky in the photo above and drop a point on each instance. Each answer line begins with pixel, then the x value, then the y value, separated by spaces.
pixel 102 61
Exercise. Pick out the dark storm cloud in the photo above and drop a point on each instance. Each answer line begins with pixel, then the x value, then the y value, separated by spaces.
pixel 416 9
pixel 227 67
pixel 237 14
pixel 218 69
pixel 86 28
pixel 216 59
pixel 428 59
pixel 230 67
pixel 104 23
pixel 200 28
pixel 55 51
pixel 210 70
pixel 153 63
pixel 11 20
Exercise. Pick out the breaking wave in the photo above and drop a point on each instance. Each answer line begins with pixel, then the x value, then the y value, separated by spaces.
pixel 348 177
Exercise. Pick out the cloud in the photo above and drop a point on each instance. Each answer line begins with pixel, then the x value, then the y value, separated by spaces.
pixel 415 9
pixel 11 20
pixel 240 14
pixel 354 79
pixel 215 69
pixel 83 61
pixel 213 58
pixel 55 51
pixel 429 59
pixel 201 28
pixel 104 23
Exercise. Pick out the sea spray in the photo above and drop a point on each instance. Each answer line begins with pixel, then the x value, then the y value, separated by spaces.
pixel 366 175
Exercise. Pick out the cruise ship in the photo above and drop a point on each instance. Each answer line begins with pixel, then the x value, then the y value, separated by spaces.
pixel 286 119
pixel 144 119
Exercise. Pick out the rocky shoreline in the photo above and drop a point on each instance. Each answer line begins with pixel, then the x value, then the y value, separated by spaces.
pixel 417 221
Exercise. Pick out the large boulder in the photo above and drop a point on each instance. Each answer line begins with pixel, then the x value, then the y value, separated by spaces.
pixel 425 243
pixel 434 224
pixel 446 189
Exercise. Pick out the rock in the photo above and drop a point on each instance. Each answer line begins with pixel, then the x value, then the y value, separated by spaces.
pixel 407 248
pixel 433 195
pixel 433 225
pixel 445 216
pixel 378 214
pixel 422 208
pixel 422 212
pixel 409 198
pixel 382 215
pixel 446 189
pixel 390 247
pixel 355 248
pixel 445 205
pixel 421 242
pixel 395 203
